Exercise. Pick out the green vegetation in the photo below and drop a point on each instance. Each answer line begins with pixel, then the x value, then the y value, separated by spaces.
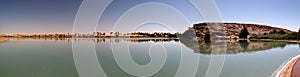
pixel 278 32
pixel 279 35
pixel 244 33
pixel 96 35
pixel 155 34
pixel 207 38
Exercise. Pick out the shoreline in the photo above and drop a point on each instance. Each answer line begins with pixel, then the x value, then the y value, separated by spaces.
pixel 286 69
pixel 3 40
pixel 293 41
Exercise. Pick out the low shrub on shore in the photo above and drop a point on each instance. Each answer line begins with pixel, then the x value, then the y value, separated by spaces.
pixel 278 36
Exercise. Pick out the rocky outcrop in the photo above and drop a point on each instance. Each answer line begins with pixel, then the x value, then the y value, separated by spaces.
pixel 232 30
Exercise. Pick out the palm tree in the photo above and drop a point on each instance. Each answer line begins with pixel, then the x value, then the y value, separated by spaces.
pixel 117 34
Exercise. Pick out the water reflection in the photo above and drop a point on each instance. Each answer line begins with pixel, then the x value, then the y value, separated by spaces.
pixel 45 57
pixel 102 40
pixel 138 40
pixel 235 47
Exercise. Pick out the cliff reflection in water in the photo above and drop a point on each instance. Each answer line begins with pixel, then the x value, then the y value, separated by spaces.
pixel 235 47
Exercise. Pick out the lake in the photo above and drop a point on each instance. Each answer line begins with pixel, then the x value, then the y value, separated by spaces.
pixel 129 57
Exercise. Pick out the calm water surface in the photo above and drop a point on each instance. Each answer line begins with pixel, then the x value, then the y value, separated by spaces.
pixel 54 57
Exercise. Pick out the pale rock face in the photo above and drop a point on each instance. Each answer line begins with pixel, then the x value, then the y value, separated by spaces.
pixel 233 30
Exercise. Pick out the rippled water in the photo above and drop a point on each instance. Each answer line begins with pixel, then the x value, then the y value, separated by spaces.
pixel 55 58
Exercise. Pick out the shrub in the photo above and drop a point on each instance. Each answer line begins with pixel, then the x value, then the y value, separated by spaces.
pixel 207 37
pixel 281 32
pixel 244 33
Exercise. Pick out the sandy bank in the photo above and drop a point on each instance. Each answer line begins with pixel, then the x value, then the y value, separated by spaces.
pixel 3 40
pixel 286 69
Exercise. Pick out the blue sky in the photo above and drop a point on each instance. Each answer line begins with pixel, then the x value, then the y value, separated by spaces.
pixel 57 16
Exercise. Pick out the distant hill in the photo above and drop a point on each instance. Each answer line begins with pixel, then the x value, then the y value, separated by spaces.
pixel 233 29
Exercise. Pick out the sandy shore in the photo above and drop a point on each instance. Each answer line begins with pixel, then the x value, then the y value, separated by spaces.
pixel 3 40
pixel 286 69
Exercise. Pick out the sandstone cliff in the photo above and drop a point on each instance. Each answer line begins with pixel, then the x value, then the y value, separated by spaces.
pixel 233 30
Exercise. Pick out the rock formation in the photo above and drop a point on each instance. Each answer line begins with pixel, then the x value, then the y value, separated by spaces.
pixel 232 30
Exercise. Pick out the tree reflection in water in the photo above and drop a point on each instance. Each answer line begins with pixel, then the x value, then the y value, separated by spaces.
pixel 202 47
pixel 235 47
